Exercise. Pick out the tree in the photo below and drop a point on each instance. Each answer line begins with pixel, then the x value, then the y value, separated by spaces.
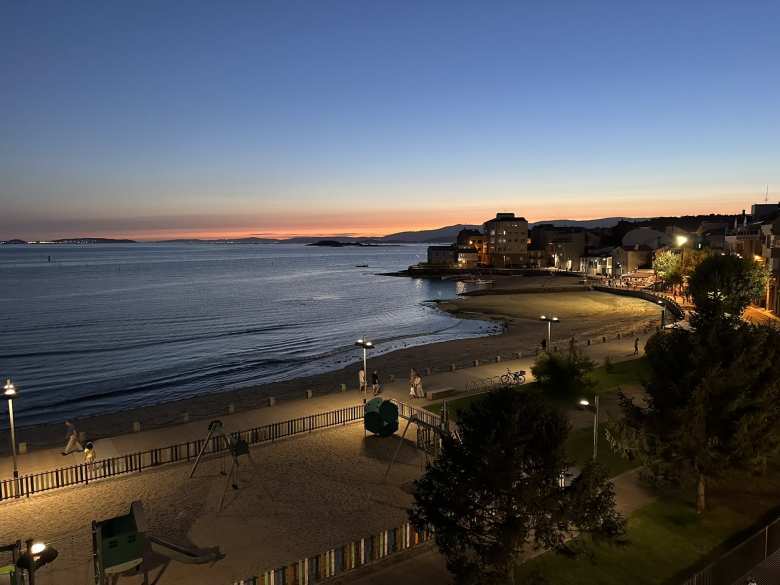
pixel 712 405
pixel 564 375
pixel 722 286
pixel 497 488
pixel 668 266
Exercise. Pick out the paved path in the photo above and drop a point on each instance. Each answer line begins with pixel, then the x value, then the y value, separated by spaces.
pixel 46 459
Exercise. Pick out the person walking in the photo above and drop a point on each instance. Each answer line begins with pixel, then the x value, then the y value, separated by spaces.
pixel 362 383
pixel 375 385
pixel 636 346
pixel 418 386
pixel 544 344
pixel 412 377
pixel 72 436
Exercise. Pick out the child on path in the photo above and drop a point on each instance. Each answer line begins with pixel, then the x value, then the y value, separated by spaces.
pixel 375 383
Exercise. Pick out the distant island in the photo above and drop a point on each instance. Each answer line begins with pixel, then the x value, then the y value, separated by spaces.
pixel 90 241
pixel 338 244
pixel 14 242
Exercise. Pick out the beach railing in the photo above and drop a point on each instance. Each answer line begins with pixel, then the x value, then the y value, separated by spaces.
pixel 339 560
pixel 407 411
pixel 84 473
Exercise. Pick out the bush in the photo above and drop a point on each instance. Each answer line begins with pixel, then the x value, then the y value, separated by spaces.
pixel 564 375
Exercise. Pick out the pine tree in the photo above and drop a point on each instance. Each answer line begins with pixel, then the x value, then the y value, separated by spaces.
pixel 497 488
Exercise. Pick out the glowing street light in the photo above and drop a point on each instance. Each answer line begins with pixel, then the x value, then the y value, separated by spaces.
pixel 680 240
pixel 663 314
pixel 36 556
pixel 584 403
pixel 9 391
pixel 366 345
pixel 550 320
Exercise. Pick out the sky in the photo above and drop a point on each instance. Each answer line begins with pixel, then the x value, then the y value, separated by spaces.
pixel 203 119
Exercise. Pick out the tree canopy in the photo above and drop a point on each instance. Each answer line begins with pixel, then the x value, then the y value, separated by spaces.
pixel 564 375
pixel 712 404
pixel 497 488
pixel 724 285
pixel 668 266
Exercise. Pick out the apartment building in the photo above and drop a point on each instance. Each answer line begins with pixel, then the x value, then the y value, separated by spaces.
pixel 506 241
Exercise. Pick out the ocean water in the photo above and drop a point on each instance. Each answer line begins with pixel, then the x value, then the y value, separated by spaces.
pixel 106 327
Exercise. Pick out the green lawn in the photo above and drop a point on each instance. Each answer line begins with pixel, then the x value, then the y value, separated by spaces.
pixel 579 450
pixel 621 374
pixel 664 539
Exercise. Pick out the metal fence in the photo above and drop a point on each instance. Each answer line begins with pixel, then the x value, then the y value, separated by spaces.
pixel 670 304
pixel 84 473
pixel 337 561
pixel 740 560
pixel 408 411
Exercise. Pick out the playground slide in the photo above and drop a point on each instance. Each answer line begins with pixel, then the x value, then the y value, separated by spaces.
pixel 183 554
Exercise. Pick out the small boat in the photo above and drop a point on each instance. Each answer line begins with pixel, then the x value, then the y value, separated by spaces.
pixel 361 265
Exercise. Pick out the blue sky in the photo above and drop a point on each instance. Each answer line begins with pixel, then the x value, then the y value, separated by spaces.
pixel 163 119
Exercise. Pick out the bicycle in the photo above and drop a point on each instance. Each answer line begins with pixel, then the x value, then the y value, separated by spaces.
pixel 513 378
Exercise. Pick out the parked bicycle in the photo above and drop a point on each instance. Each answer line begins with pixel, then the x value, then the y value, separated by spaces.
pixel 513 378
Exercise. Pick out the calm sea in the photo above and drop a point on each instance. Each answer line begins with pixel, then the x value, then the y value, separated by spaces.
pixel 105 327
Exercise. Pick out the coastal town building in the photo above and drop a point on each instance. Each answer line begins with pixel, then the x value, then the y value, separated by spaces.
pixel 770 254
pixel 506 241
pixel 470 238
pixel 453 256
pixel 628 259
pixel 557 247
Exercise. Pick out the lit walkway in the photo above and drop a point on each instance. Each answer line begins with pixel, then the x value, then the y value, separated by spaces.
pixel 47 459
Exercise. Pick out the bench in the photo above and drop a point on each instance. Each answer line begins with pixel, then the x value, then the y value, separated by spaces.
pixel 439 393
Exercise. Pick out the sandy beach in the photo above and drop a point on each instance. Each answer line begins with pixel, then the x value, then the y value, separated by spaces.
pixel 583 314
pixel 302 497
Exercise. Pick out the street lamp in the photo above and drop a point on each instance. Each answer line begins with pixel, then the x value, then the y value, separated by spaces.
pixel 366 345
pixel 584 403
pixel 680 240
pixel 36 556
pixel 663 314
pixel 9 391
pixel 550 320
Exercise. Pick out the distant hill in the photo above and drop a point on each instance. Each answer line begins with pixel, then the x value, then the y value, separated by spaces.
pixel 92 241
pixel 604 222
pixel 443 234
pixel 14 242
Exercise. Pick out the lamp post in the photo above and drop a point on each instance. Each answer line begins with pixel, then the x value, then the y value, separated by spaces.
pixel 550 320
pixel 9 391
pixel 366 345
pixel 663 314
pixel 584 403
pixel 36 556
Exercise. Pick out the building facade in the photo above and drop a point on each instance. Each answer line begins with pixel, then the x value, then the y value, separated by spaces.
pixel 506 241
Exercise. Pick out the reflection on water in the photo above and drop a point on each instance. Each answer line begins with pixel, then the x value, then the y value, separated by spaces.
pixel 112 326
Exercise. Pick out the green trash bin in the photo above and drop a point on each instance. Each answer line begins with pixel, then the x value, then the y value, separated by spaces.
pixel 380 417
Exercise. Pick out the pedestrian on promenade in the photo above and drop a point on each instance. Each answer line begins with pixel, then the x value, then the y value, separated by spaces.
pixel 362 383
pixel 636 346
pixel 376 387
pixel 72 436
pixel 418 386
pixel 412 378
pixel 544 344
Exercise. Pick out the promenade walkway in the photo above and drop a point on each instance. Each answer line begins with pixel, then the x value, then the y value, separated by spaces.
pixel 51 458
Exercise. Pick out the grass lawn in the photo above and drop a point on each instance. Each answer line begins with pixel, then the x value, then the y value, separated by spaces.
pixel 621 374
pixel 579 450
pixel 665 538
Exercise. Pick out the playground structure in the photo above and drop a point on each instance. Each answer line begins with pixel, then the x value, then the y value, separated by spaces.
pixel 122 544
pixel 9 556
pixel 235 445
